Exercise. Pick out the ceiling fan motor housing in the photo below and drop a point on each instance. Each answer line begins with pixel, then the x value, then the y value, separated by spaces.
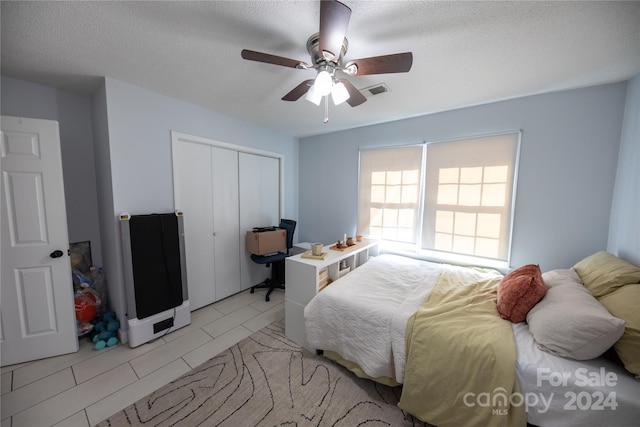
pixel 318 58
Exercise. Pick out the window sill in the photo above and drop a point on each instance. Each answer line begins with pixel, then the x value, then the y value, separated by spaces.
pixel 442 257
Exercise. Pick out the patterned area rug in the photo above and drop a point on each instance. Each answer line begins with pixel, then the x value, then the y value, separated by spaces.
pixel 267 380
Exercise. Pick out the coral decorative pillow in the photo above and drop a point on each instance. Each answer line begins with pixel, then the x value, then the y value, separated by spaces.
pixel 519 291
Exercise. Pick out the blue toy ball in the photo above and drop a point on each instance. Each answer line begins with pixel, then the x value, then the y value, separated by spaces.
pixel 106 331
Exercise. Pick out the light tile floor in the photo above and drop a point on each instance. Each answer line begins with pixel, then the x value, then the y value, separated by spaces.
pixel 81 389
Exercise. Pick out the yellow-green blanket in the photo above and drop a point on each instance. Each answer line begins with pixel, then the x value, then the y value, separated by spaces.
pixel 460 368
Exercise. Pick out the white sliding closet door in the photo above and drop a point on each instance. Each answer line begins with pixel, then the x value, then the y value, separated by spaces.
pixel 223 192
pixel 226 228
pixel 259 188
pixel 193 194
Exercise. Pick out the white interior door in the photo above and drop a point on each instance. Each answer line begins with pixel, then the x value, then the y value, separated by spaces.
pixel 193 194
pixel 224 166
pixel 36 306
pixel 259 178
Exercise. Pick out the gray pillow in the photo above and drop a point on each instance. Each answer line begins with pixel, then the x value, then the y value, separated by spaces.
pixel 569 321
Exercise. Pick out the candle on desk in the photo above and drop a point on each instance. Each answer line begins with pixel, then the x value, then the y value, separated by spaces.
pixel 344 239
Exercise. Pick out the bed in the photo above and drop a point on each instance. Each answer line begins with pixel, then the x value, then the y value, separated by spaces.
pixel 369 321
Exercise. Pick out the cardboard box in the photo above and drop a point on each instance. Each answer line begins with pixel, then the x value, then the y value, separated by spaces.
pixel 266 242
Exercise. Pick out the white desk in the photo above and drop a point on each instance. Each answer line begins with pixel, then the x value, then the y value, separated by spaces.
pixel 303 277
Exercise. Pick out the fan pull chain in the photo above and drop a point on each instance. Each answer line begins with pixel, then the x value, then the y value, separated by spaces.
pixel 326 109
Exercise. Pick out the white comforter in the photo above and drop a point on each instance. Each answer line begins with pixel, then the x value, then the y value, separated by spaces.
pixel 357 313
pixel 348 317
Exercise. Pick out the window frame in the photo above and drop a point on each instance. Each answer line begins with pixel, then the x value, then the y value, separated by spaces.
pixel 416 249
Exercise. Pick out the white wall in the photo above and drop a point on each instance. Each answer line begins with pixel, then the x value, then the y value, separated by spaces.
pixel 624 228
pixel 136 140
pixel 73 113
pixel 568 162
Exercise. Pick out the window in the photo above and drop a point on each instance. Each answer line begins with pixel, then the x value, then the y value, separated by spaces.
pixel 460 202
pixel 389 201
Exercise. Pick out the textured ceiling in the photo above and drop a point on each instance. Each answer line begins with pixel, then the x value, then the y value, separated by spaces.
pixel 465 53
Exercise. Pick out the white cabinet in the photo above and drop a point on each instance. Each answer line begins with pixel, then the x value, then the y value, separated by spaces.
pixel 223 192
pixel 304 278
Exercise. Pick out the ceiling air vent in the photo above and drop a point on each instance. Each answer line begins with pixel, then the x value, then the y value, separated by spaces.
pixel 375 90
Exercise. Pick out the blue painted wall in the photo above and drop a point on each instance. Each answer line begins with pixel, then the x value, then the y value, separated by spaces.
pixel 134 138
pixel 568 161
pixel 578 188
pixel 624 227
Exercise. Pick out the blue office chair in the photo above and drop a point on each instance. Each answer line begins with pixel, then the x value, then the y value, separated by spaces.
pixel 276 261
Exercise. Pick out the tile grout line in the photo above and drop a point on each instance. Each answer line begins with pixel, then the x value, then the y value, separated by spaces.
pixel 260 309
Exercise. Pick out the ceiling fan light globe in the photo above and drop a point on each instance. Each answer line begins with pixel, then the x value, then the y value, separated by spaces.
pixel 323 83
pixel 313 95
pixel 339 93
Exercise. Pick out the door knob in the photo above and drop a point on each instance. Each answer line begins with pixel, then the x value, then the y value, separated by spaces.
pixel 56 254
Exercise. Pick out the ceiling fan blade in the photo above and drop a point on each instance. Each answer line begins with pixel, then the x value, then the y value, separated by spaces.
pixel 355 97
pixel 298 91
pixel 252 55
pixel 395 63
pixel 334 20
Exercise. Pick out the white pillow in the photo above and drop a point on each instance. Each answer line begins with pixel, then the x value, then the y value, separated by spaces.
pixel 569 321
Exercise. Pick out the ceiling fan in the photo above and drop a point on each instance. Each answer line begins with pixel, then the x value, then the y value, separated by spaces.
pixel 327 49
